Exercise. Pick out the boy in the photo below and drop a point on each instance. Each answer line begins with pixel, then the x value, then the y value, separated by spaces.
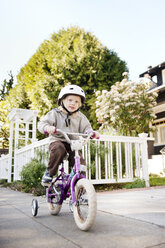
pixel 69 119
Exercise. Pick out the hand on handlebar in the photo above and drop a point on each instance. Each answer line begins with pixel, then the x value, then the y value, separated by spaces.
pixel 95 135
pixel 50 130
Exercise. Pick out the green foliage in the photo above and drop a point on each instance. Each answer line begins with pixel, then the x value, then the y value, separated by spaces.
pixel 157 181
pixel 6 86
pixel 3 181
pixel 4 124
pixel 17 98
pixel 70 56
pixel 31 175
pixel 138 183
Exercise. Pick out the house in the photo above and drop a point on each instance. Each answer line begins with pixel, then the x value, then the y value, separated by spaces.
pixel 157 75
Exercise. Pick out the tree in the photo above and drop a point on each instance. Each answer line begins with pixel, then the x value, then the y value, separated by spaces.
pixel 70 56
pixel 6 86
pixel 4 126
pixel 127 107
pixel 16 98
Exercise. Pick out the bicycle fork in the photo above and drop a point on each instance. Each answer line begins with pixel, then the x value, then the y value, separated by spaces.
pixel 76 177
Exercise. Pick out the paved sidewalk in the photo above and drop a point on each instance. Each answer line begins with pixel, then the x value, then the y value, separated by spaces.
pixel 125 219
pixel 146 204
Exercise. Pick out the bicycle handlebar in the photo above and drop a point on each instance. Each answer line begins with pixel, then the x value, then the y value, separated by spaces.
pixel 78 134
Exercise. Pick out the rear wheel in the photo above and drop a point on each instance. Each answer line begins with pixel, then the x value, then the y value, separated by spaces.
pixel 86 204
pixel 54 206
pixel 70 205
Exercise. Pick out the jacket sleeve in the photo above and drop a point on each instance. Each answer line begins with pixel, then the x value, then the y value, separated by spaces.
pixel 48 120
pixel 85 126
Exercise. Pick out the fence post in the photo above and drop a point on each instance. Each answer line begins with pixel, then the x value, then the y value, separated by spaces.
pixel 144 154
pixel 10 159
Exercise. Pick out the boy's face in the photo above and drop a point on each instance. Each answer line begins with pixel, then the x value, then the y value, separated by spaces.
pixel 72 102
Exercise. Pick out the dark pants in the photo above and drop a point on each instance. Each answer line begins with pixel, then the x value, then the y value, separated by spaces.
pixel 58 151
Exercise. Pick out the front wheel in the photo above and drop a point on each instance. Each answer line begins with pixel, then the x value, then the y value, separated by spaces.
pixel 85 209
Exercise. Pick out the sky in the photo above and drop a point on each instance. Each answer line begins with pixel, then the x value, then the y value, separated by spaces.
pixel 134 29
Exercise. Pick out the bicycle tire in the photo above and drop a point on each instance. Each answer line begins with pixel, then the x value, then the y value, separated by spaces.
pixel 85 209
pixel 34 207
pixel 54 206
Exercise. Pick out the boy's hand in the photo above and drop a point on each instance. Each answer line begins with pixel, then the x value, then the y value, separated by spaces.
pixel 50 130
pixel 95 135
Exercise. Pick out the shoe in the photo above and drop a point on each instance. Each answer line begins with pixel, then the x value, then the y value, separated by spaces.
pixel 46 179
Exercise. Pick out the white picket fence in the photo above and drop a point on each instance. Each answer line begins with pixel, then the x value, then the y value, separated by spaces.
pixel 123 159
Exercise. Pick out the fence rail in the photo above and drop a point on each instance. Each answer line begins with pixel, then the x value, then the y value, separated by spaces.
pixel 112 159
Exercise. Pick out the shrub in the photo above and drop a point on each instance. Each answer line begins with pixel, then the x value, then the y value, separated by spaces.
pixel 31 175
pixel 127 108
pixel 138 183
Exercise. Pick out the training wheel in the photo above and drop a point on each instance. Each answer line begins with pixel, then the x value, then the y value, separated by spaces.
pixel 34 207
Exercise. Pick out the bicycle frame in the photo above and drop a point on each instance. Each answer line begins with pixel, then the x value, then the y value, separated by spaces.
pixel 67 182
pixel 82 202
pixel 76 177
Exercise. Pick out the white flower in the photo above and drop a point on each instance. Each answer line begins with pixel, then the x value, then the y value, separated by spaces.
pixel 127 104
pixel 155 94
pixel 104 92
pixel 97 92
pixel 117 99
pixel 105 108
pixel 153 115
pixel 113 119
pixel 112 111
pixel 97 103
pixel 116 107
pixel 123 82
pixel 132 94
pixel 125 74
pixel 109 93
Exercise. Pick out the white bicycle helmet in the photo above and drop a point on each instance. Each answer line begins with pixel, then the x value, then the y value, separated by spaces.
pixel 71 90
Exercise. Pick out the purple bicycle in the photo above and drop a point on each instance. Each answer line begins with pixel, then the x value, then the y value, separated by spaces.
pixel 79 190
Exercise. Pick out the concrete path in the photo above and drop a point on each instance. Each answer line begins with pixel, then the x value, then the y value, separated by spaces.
pixel 146 204
pixel 125 219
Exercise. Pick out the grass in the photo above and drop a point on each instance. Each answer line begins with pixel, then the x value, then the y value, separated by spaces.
pixel 157 181
pixel 138 183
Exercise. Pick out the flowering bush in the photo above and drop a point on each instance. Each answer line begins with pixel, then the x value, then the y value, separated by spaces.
pixel 127 107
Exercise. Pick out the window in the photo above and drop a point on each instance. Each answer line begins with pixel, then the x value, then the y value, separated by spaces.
pixel 155 136
pixel 163 76
pixel 159 134
pixel 162 134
